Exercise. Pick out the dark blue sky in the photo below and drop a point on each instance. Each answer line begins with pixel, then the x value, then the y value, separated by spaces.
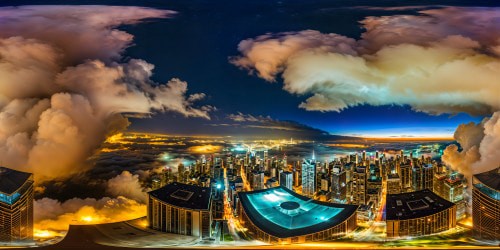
pixel 195 46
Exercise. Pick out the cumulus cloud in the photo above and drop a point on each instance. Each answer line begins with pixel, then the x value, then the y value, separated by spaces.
pixel 65 88
pixel 126 199
pixel 80 32
pixel 480 149
pixel 441 61
pixel 127 185
pixel 268 54
pixel 469 137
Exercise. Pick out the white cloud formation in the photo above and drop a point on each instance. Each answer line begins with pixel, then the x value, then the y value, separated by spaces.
pixel 480 151
pixel 441 61
pixel 127 185
pixel 80 32
pixel 64 87
pixel 268 54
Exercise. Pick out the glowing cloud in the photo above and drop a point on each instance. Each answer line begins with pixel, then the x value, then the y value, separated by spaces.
pixel 127 185
pixel 53 217
pixel 205 149
pixel 64 87
pixel 442 61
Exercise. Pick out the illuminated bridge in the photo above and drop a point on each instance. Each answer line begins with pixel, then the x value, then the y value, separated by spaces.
pixel 278 215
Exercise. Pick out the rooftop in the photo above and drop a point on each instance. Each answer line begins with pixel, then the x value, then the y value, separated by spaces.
pixel 412 205
pixel 490 178
pixel 282 213
pixel 184 195
pixel 12 180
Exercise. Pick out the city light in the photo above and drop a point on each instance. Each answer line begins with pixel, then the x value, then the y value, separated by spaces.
pixel 87 219
pixel 250 124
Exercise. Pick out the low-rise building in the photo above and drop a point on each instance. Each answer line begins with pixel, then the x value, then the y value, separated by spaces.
pixel 418 213
pixel 278 215
pixel 181 209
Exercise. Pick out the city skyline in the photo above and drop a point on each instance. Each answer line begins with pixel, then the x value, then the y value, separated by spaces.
pixel 249 124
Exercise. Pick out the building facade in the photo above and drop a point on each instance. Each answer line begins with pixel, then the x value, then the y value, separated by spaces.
pixel 486 205
pixel 422 177
pixel 257 180
pixel 393 184
pixel 309 178
pixel 181 209
pixel 405 173
pixel 286 179
pixel 359 185
pixel 16 205
pixel 339 184
pixel 418 213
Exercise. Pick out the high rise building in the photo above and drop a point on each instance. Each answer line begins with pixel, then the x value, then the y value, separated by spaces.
pixel 266 160
pixel 286 179
pixel 393 184
pixel 486 205
pixel 155 183
pixel 257 180
pixel 325 183
pixel 438 183
pixel 422 177
pixel 359 185
pixel 453 189
pixel 339 184
pixel 16 205
pixel 309 177
pixel 404 171
pixel 180 172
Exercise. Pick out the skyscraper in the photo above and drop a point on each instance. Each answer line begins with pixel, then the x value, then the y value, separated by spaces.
pixel 359 185
pixel 404 171
pixel 309 177
pixel 339 184
pixel 486 205
pixel 393 184
pixel 16 205
pixel 422 176
pixel 257 180
pixel 286 179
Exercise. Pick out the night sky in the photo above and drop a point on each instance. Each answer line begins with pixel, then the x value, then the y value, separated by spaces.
pixel 195 46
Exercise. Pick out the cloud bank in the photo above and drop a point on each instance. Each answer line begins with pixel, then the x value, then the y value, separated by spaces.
pixel 65 87
pixel 266 122
pixel 443 60
pixel 480 147
pixel 440 61
pixel 55 216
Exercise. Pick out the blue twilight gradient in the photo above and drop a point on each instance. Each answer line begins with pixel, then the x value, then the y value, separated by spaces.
pixel 195 46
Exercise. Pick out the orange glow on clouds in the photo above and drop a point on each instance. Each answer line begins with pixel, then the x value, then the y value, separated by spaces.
pixel 205 149
pixel 90 211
